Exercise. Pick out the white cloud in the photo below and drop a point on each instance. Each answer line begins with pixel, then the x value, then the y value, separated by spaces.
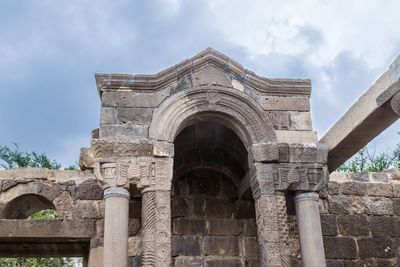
pixel 367 28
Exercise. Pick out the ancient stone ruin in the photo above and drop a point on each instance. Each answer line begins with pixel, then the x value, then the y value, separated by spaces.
pixel 208 164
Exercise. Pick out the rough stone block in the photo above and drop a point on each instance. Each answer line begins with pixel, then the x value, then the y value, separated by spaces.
pixel 108 115
pixel 250 228
pixel 133 261
pixel 353 188
pixel 396 190
pixel 329 224
pixel 124 131
pixel 204 186
pixel 297 137
pixel 355 225
pixel 134 246
pixel 339 204
pixel 381 247
pixel 133 226
pixel 335 263
pixel 134 115
pixel 384 226
pixel 89 190
pixel 86 158
pixel 89 209
pixel 185 246
pixel 221 208
pixel 250 247
pixel 220 246
pixel 30 173
pixel 372 205
pixel 7 184
pixel 387 262
pixel 380 177
pixel 64 205
pixel 300 121
pixel 279 119
pixel 211 76
pixel 359 176
pixel 396 206
pixel 188 262
pixel 224 227
pixel 223 263
pixel 286 103
pixel 188 226
pixel 180 207
pixel 340 248
pixel 333 188
pixel 134 99
pixel 379 189
pixel 244 209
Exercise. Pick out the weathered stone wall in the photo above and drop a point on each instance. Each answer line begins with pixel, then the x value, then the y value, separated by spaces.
pixel 360 217
pixel 210 226
pixel 78 198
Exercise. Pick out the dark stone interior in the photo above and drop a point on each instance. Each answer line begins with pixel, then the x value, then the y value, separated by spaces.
pixel 211 226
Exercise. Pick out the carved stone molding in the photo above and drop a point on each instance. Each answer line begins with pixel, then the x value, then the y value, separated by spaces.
pixel 107 148
pixel 145 172
pixel 268 231
pixel 156 229
pixel 266 178
pixel 229 106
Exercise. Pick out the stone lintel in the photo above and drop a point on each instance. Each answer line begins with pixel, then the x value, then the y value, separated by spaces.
pixel 115 148
pixel 371 114
pixel 47 249
pixel 46 230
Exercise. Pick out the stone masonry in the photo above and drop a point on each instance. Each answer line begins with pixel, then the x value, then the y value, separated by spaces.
pixel 208 164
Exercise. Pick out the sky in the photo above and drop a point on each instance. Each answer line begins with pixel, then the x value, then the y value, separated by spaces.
pixel 50 50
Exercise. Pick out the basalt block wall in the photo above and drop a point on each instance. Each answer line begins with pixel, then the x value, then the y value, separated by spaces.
pixel 360 218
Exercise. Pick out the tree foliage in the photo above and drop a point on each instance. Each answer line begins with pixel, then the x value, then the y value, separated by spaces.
pixel 11 158
pixel 368 161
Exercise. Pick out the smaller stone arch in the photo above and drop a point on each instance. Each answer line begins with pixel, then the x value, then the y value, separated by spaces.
pixel 23 200
pixel 227 106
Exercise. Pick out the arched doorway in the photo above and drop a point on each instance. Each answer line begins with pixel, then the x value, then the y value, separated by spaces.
pixel 211 223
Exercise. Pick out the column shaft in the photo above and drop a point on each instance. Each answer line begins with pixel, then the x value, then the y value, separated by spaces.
pixel 116 227
pixel 310 232
pixel 156 228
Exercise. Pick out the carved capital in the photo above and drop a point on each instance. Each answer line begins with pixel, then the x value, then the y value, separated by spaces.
pixel 265 179
pixel 146 173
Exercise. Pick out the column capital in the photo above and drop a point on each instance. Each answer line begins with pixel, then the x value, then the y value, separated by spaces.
pixel 116 191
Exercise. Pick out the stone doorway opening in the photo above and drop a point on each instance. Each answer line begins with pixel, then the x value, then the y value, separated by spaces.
pixel 213 223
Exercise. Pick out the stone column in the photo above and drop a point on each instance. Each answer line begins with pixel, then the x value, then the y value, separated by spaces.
pixel 156 228
pixel 310 232
pixel 116 227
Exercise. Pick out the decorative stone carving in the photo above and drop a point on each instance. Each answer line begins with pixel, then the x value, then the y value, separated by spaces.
pixel 156 231
pixel 266 178
pixel 307 177
pixel 146 173
pixel 242 113
pixel 283 228
pixel 268 233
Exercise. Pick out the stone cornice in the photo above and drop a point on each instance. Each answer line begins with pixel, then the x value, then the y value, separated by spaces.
pixel 142 82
